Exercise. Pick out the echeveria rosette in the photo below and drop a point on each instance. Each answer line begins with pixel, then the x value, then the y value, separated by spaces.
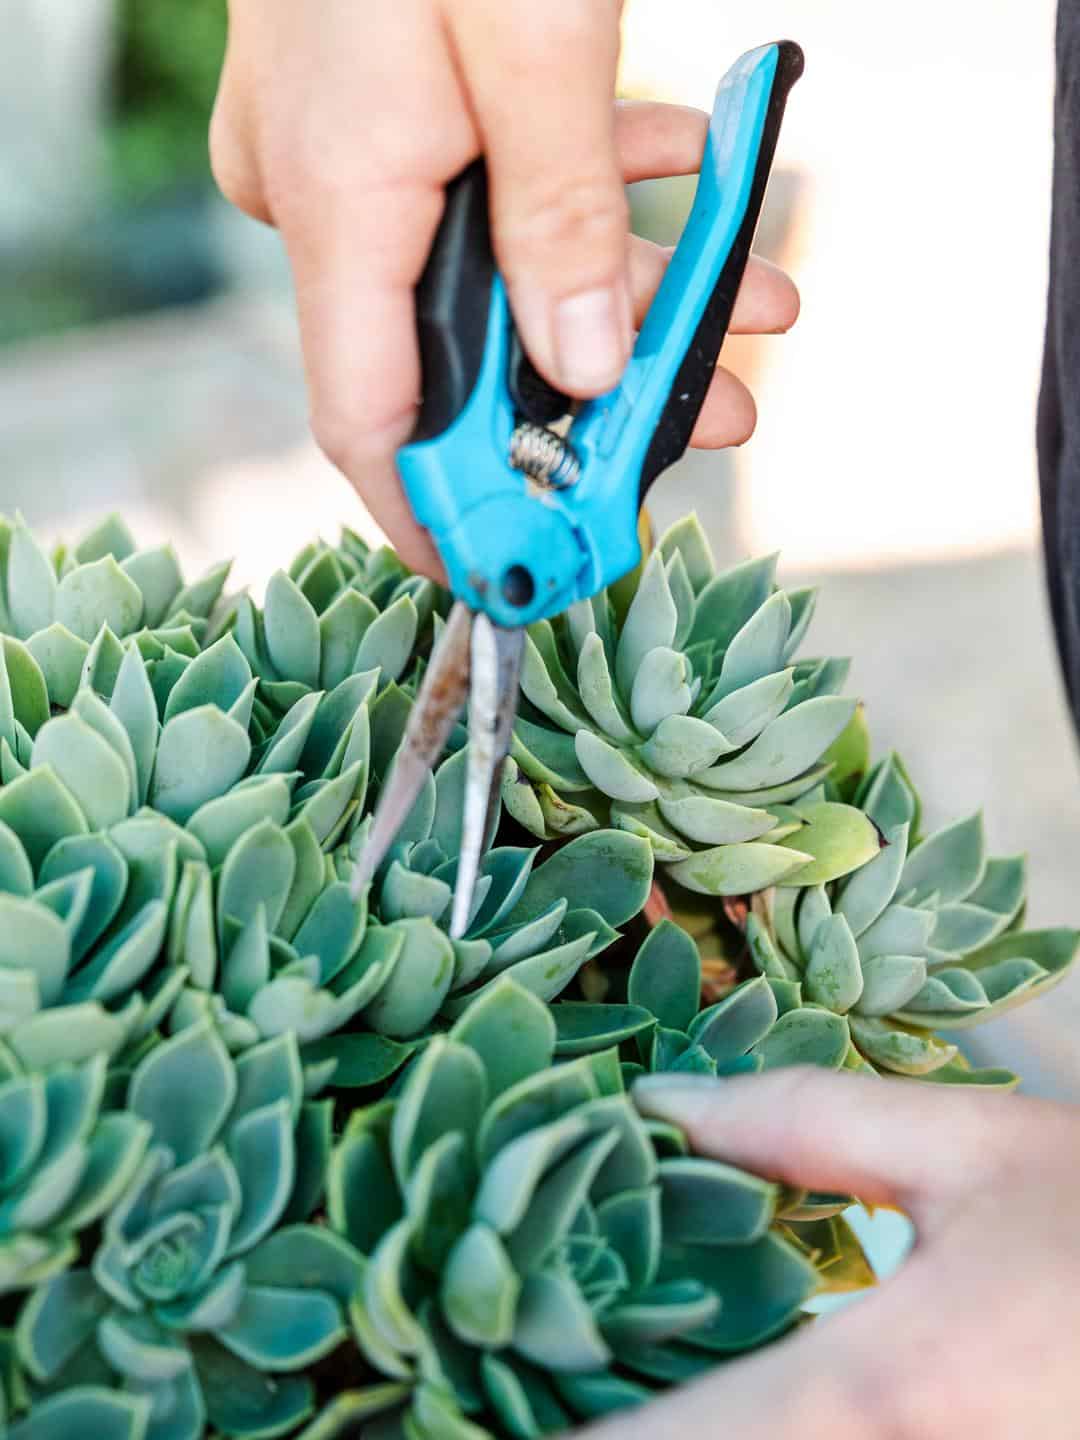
pixel 535 1254
pixel 925 938
pixel 660 1024
pixel 522 926
pixel 65 1161
pixel 330 616
pixel 658 1020
pixel 271 941
pixel 74 608
pixel 263 925
pixel 129 803
pixel 661 1027
pixel 375 570
pixel 686 720
pixel 207 1292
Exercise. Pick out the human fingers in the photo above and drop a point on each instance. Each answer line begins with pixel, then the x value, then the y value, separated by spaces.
pixel 767 302
pixel 350 164
pixel 887 1141
pixel 541 83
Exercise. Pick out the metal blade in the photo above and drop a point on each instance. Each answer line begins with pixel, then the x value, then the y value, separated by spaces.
pixel 496 667
pixel 438 705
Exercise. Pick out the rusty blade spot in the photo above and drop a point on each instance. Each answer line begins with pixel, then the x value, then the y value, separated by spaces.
pixel 439 703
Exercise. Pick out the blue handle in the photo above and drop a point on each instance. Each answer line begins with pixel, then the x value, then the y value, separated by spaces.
pixel 492 525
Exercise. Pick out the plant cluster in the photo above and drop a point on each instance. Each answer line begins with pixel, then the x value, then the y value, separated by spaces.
pixel 275 1163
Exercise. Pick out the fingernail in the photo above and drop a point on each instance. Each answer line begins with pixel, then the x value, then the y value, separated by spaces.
pixel 628 320
pixel 591 338
pixel 657 1092
pixel 673 1080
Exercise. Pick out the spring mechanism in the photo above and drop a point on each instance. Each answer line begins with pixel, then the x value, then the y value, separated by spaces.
pixel 544 456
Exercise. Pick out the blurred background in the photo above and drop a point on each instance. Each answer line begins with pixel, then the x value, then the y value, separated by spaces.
pixel 149 362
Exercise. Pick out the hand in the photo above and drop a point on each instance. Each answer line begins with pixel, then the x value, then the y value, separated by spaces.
pixel 976 1337
pixel 341 123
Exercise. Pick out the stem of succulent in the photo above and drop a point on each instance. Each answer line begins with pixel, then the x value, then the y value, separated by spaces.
pixel 736 908
pixel 718 978
pixel 657 907
pixel 721 975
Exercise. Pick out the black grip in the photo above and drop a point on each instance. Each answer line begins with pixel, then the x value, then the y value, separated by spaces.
pixel 534 398
pixel 672 434
pixel 452 303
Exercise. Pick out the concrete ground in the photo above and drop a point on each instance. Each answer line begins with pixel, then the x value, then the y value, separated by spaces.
pixel 195 426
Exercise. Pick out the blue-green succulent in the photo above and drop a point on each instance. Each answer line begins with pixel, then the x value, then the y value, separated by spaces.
pixel 681 714
pixel 535 1255
pixel 65 1161
pixel 925 938
pixel 145 829
pixel 75 606
pixel 207 1293
pixel 335 612
pixel 275 1162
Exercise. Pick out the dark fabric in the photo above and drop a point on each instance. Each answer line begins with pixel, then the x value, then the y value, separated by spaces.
pixel 1059 400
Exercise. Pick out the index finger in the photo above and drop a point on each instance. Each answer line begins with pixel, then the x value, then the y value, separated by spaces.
pixel 890 1142
pixel 357 195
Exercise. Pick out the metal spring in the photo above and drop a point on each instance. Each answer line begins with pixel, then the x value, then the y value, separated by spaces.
pixel 544 456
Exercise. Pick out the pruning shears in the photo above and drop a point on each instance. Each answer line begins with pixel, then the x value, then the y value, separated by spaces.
pixel 527 518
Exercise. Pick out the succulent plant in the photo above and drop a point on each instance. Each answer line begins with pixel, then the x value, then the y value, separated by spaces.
pixel 332 614
pixel 147 822
pixel 685 720
pixel 519 909
pixel 74 607
pixel 375 570
pixel 207 1293
pixel 663 1015
pixel 193 1009
pixel 107 832
pixel 272 942
pixel 534 1253
pixel 65 1162
pixel 924 938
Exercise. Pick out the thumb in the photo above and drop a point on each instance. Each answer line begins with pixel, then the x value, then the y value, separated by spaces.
pixel 890 1142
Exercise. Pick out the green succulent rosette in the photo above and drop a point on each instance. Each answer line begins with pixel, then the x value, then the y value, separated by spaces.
pixel 273 943
pixel 536 1255
pixel 685 719
pixel 75 606
pixel 277 1162
pixel 147 828
pixel 66 1160
pixel 207 1294
pixel 375 570
pixel 658 1022
pixel 871 972
pixel 925 938
pixel 334 613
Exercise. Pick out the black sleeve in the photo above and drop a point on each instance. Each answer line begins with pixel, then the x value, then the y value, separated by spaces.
pixel 1059 399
